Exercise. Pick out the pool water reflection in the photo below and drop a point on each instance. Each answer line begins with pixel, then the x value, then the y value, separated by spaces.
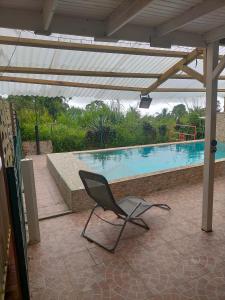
pixel 119 163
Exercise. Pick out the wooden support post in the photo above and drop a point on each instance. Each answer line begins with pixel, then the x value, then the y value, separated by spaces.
pixel 204 65
pixel 210 135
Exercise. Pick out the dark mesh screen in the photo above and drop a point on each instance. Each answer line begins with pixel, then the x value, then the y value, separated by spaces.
pixel 100 193
pixel 98 188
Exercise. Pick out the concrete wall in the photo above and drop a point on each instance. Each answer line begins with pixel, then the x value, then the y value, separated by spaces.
pixel 142 185
pixel 220 127
pixel 64 169
pixel 29 148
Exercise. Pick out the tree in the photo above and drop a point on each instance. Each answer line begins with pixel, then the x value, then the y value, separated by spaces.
pixel 96 105
pixel 100 133
pixel 164 114
pixel 178 111
pixel 163 130
pixel 149 131
pixel 53 105
pixel 133 113
pixel 100 124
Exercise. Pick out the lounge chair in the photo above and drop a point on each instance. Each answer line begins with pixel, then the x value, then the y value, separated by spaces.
pixel 129 208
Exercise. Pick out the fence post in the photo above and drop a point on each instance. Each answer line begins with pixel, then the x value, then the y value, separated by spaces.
pixel 30 200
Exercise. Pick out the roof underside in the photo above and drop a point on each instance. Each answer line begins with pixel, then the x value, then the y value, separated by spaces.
pixel 31 57
pixel 186 24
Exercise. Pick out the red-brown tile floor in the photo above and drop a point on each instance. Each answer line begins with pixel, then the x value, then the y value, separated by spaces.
pixel 174 260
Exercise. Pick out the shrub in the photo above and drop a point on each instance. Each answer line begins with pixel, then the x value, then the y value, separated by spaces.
pixel 67 139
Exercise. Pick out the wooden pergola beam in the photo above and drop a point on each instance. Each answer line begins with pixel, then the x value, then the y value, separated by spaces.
pixel 26 42
pixel 49 7
pixel 98 86
pixel 192 73
pixel 173 70
pixel 185 90
pixel 195 12
pixel 90 73
pixel 124 13
pixel 69 84
pixel 219 68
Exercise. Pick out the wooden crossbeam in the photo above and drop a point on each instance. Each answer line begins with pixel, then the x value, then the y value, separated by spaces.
pixel 205 65
pixel 195 12
pixel 89 73
pixel 98 86
pixel 9 40
pixel 173 70
pixel 69 84
pixel 219 68
pixel 47 71
pixel 194 74
pixel 49 7
pixel 215 34
pixel 124 13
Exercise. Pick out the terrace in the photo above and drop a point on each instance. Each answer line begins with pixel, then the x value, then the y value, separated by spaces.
pixel 173 260
pixel 110 50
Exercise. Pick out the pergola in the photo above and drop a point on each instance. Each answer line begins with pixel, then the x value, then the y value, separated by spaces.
pixel 191 23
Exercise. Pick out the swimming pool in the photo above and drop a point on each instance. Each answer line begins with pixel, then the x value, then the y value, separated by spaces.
pixel 120 163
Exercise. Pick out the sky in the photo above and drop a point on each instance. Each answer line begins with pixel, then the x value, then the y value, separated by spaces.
pixel 125 104
pixel 156 106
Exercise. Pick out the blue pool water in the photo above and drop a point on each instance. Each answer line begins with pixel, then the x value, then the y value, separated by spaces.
pixel 116 164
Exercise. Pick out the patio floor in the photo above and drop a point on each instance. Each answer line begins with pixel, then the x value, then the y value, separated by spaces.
pixel 174 260
pixel 49 199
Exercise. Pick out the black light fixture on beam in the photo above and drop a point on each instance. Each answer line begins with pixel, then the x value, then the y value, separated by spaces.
pixel 145 102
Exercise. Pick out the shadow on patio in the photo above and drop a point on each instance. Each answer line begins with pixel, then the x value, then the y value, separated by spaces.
pixel 174 260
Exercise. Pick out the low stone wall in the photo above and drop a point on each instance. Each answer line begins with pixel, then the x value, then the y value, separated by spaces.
pixel 144 185
pixel 64 169
pixel 29 147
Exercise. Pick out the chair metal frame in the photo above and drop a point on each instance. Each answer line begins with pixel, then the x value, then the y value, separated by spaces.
pixel 119 213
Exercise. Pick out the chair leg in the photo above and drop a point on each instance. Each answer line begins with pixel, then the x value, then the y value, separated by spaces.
pixel 145 226
pixel 163 206
pixel 132 220
pixel 110 249
pixel 88 220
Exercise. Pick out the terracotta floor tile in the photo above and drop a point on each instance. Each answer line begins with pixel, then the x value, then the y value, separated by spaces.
pixel 144 259
pixel 76 261
pixel 174 260
pixel 116 281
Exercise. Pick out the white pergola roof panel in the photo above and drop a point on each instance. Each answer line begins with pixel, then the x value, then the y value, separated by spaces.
pixel 67 59
pixel 21 56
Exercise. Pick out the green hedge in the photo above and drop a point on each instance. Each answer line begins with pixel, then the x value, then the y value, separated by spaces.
pixel 62 137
